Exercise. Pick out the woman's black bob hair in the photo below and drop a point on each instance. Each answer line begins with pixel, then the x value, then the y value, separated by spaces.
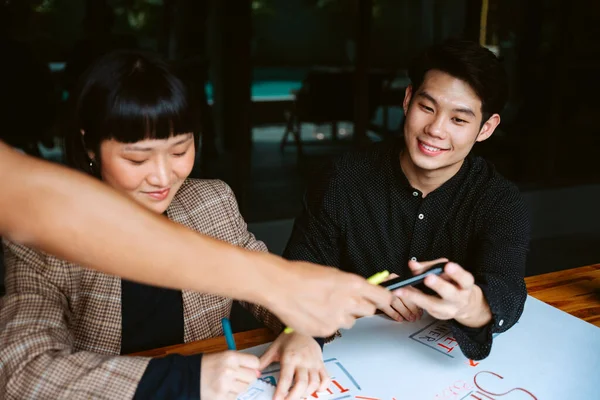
pixel 127 96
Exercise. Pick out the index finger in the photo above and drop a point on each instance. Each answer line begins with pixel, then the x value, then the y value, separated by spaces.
pixel 376 294
pixel 286 376
pixel 391 276
pixel 418 267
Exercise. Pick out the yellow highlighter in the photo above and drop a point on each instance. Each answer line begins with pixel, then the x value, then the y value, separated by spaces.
pixel 378 277
pixel 374 280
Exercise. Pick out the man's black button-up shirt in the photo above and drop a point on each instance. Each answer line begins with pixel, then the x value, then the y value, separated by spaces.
pixel 363 216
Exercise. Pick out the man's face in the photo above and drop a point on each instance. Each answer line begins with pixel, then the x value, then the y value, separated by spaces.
pixel 443 122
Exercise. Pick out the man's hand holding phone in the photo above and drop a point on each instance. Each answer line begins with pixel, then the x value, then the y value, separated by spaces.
pixel 403 309
pixel 457 296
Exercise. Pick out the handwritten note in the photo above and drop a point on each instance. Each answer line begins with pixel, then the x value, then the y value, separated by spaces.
pixel 260 390
pixel 438 336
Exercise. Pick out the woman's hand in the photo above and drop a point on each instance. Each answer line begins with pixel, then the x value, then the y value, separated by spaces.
pixel 302 364
pixel 227 374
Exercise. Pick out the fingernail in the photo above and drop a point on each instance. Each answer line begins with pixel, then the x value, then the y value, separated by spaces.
pixel 257 373
pixel 399 292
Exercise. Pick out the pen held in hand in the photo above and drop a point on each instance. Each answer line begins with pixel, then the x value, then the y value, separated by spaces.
pixel 228 334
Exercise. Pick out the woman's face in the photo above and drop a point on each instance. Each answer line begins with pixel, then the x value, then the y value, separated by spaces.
pixel 149 171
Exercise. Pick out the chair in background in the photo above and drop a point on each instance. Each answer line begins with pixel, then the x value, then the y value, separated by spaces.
pixel 327 96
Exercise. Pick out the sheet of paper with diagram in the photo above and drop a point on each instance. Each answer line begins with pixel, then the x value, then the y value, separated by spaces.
pixel 547 355
pixel 341 382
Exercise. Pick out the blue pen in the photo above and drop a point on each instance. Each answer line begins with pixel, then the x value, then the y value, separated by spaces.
pixel 228 334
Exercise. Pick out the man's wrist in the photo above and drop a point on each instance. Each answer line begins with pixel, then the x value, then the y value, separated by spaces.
pixel 477 313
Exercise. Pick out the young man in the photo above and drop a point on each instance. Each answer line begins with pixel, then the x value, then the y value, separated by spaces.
pixel 407 206
pixel 48 206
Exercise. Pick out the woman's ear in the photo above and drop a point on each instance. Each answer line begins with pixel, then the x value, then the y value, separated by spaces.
pixel 90 153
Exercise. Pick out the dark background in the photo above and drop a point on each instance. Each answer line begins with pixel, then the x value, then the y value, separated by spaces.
pixel 230 52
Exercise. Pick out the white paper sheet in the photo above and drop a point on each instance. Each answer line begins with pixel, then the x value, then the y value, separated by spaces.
pixel 547 355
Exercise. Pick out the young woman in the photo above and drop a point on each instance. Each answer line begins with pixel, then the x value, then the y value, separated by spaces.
pixel 65 328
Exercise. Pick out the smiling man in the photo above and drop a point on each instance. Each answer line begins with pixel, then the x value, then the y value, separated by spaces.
pixel 406 206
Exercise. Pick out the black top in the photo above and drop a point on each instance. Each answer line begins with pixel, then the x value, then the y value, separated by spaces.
pixel 152 317
pixel 363 216
pixel 171 377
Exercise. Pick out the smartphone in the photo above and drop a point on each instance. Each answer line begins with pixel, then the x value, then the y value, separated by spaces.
pixel 397 283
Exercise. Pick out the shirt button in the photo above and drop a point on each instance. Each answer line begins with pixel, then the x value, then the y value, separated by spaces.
pixel 415 194
pixel 501 322
pixel 413 258
pixel 421 216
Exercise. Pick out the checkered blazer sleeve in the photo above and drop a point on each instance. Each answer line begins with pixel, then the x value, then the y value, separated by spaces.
pixel 247 240
pixel 37 356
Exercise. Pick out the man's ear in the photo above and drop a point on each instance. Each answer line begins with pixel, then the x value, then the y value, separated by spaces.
pixel 407 97
pixel 488 128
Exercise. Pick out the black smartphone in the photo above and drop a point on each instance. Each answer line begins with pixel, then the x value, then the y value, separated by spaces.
pixel 397 283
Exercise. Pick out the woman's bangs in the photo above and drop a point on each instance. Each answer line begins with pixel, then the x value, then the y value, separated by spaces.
pixel 138 113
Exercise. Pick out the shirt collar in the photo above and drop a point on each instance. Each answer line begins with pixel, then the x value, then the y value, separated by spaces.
pixel 450 185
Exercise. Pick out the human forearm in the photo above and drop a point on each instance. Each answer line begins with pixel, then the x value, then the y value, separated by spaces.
pixel 173 376
pixel 81 220
pixel 500 257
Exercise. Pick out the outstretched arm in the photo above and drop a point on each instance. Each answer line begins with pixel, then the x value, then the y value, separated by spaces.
pixel 81 220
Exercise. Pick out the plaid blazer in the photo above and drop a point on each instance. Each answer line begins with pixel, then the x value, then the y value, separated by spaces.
pixel 60 324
